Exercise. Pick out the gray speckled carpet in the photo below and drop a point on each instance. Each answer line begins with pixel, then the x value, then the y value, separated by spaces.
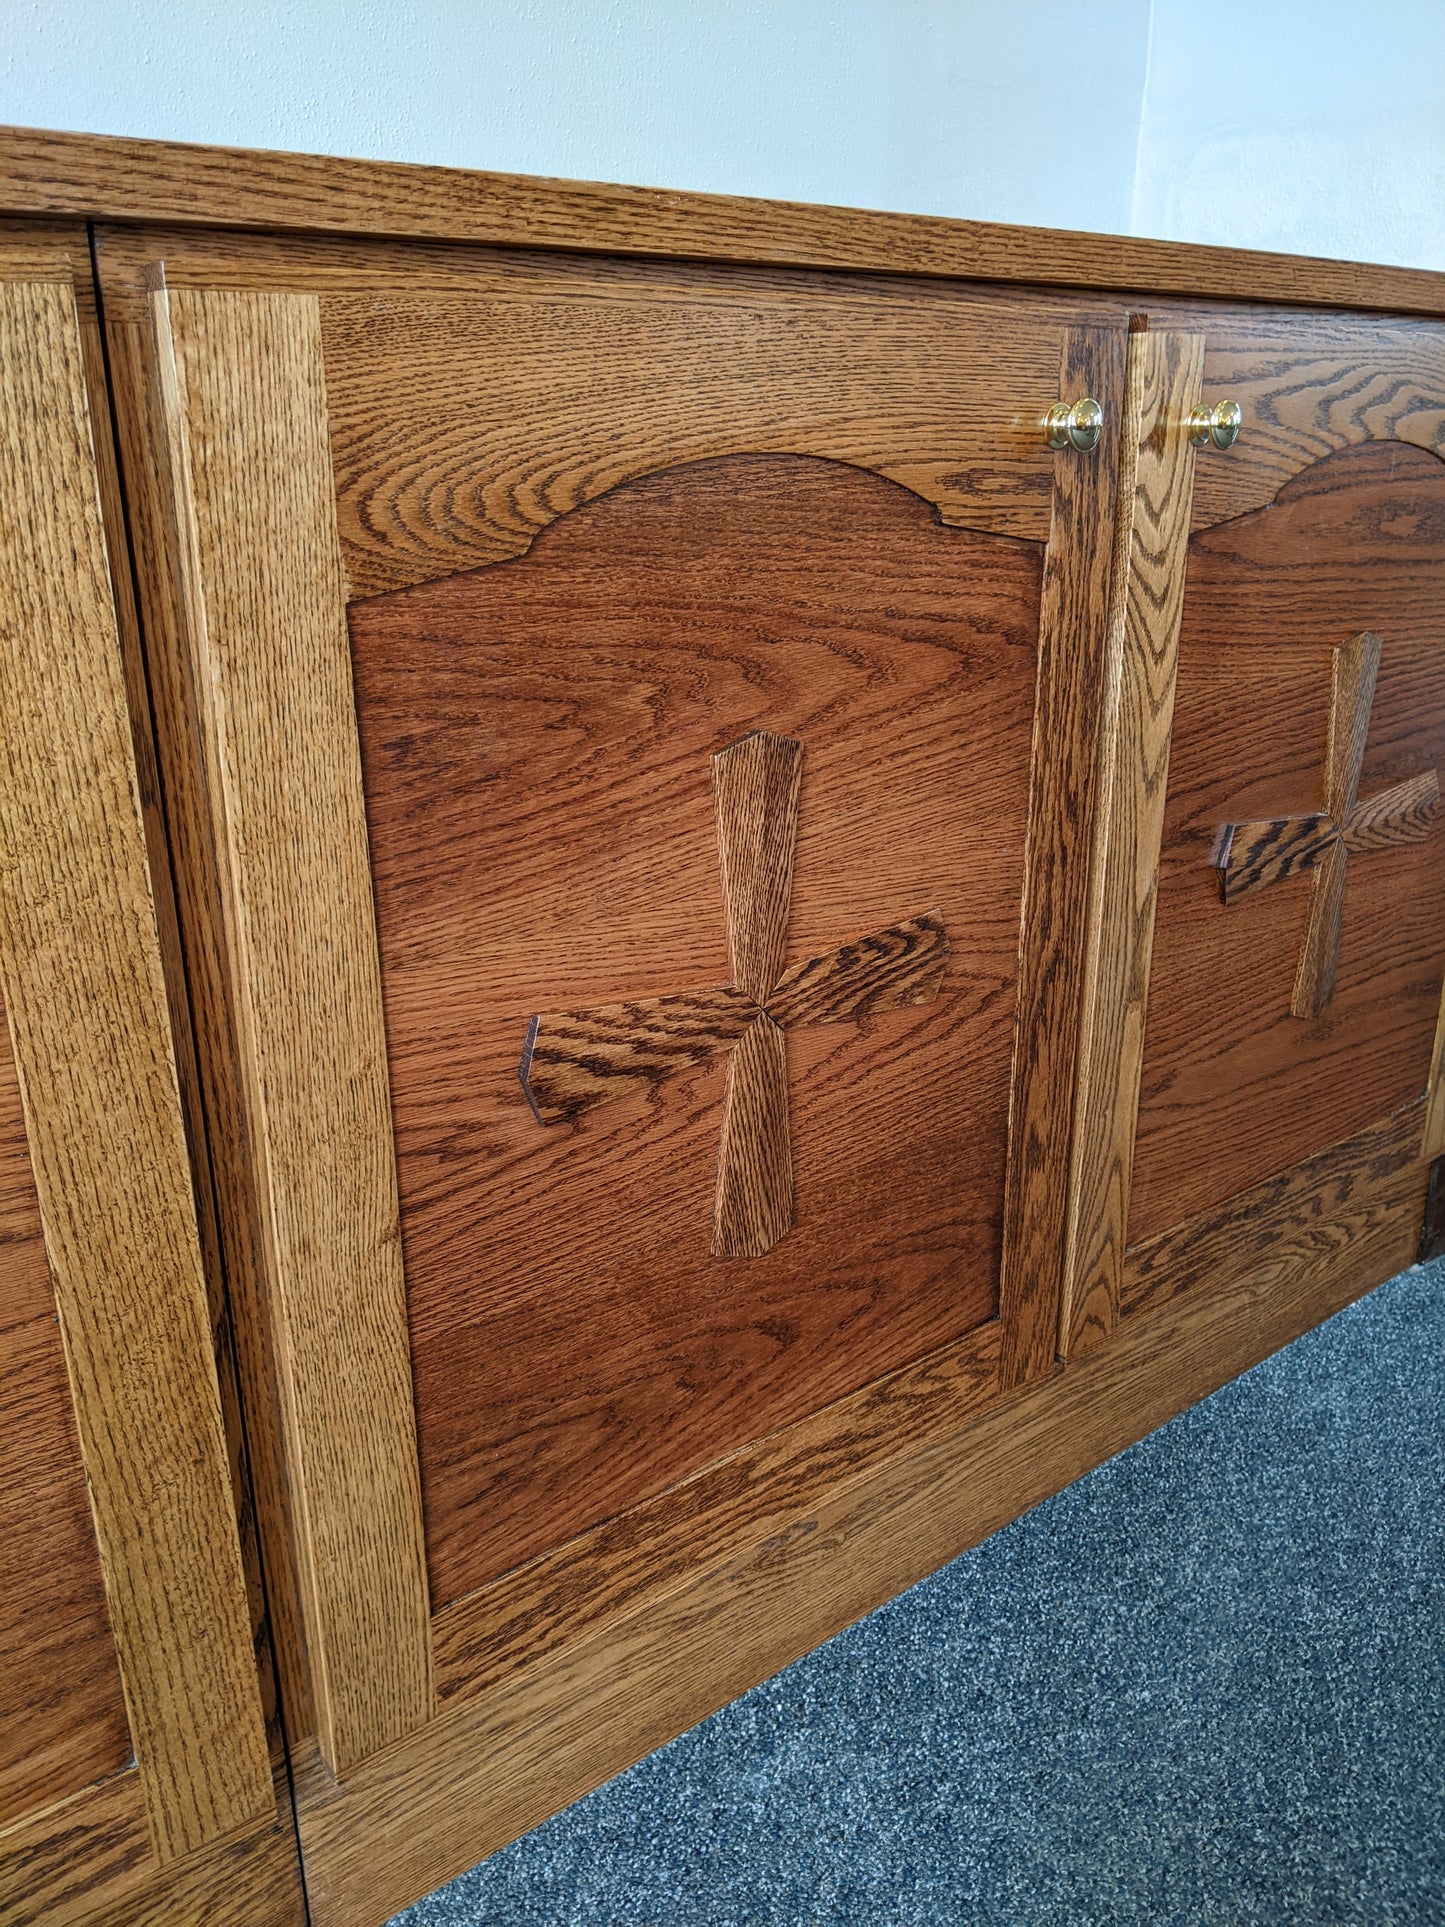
pixel 1204 1684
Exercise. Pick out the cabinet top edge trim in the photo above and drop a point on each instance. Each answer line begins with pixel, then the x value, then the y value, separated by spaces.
pixel 106 177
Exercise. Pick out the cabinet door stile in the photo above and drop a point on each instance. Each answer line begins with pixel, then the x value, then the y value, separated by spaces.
pixel 1157 473
pixel 249 471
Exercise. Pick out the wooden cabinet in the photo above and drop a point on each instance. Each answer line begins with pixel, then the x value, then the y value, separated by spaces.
pixel 764 968
pixel 136 1783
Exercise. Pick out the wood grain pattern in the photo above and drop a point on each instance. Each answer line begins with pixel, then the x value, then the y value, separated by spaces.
pixel 261 573
pixel 753 1206
pixel 1309 1213
pixel 493 1766
pixel 87 1863
pixel 1308 385
pixel 1155 491
pixel 754 1493
pixel 1253 855
pixel 1234 1090
pixel 182 807
pixel 86 1002
pixel 1073 631
pixel 62 1715
pixel 518 386
pixel 893 969
pixel 755 791
pixel 575 1059
pixel 103 177
pixel 581 691
pixel 1432 1143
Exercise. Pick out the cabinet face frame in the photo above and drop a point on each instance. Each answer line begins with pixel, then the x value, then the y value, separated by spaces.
pixel 220 383
pixel 421 1793
pixel 195 1817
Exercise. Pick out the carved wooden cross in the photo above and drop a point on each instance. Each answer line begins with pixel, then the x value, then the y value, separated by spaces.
pixel 1251 855
pixel 575 1059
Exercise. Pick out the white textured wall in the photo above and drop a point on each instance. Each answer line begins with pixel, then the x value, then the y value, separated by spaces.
pixel 1316 125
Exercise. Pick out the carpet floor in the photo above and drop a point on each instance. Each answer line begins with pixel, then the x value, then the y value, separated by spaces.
pixel 1204 1684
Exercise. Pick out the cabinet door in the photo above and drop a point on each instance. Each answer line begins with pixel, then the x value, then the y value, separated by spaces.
pixel 632 731
pixel 1287 1090
pixel 135 1782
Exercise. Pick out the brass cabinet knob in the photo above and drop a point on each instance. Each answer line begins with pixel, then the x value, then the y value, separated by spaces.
pixel 1216 427
pixel 1074 425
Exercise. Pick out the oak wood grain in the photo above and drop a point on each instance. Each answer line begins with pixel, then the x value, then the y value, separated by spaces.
pixel 1401 814
pixel 493 1766
pixel 1306 1214
pixel 1234 1090
pixel 1079 567
pixel 575 1059
pixel 1432 1142
pixel 536 740
pixel 1251 856
pixel 223 1143
pixel 85 995
pixel 261 574
pixel 87 1863
pixel 892 969
pixel 755 1492
pixel 1155 491
pixel 62 1715
pixel 755 792
pixel 105 177
pixel 1308 385
pixel 753 1206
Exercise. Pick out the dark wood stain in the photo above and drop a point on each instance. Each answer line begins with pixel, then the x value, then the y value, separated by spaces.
pixel 62 1717
pixel 1235 1089
pixel 535 743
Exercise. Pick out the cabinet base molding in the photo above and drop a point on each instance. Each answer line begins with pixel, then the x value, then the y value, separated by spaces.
pixel 88 1862
pixel 492 1767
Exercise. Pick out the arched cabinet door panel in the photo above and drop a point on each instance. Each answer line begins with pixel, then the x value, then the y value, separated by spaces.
pixel 136 1784
pixel 633 729
pixel 1290 1093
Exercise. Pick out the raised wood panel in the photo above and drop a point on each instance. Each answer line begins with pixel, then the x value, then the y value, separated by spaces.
pixel 1079 569
pixel 99 176
pixel 261 574
pixel 762 1490
pixel 88 1863
pixel 62 1715
pixel 1308 384
pixel 1156 482
pixel 1235 1089
pixel 493 1766
pixel 536 741
pixel 79 955
pixel 461 426
pixel 1307 1215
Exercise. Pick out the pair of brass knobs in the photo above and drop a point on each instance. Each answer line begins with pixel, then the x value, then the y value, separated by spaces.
pixel 1079 425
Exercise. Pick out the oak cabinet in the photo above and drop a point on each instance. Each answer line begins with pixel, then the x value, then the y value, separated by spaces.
pixel 764 968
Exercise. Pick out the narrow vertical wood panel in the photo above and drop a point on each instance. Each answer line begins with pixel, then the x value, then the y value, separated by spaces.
pixel 1156 492
pixel 1433 1143
pixel 83 985
pixel 244 397
pixel 1073 625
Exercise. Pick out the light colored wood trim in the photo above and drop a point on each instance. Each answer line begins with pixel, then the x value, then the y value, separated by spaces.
pixel 264 597
pixel 1073 628
pixel 83 985
pixel 494 1766
pixel 758 1492
pixel 1156 493
pixel 88 1863
pixel 105 178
